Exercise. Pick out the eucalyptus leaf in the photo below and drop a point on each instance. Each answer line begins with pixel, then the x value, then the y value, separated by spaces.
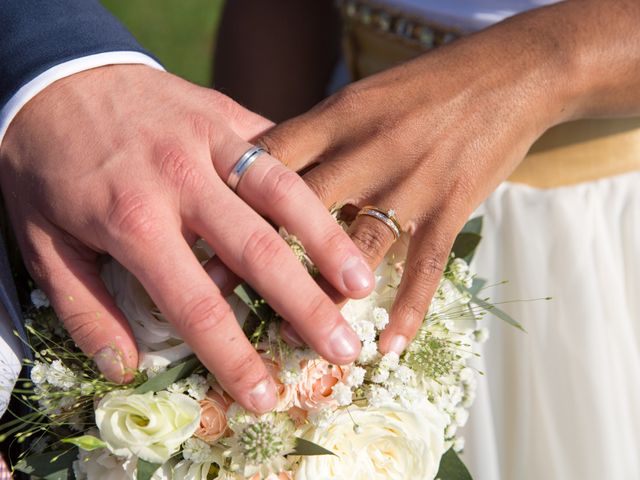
pixel 307 448
pixel 473 226
pixel 468 239
pixel 465 245
pixel 161 381
pixel 497 312
pixel 145 470
pixel 51 465
pixel 85 442
pixel 452 468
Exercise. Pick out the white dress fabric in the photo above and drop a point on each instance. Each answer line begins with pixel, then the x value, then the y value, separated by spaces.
pixel 11 353
pixel 561 401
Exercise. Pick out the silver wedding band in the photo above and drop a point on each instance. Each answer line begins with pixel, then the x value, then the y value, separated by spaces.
pixel 242 165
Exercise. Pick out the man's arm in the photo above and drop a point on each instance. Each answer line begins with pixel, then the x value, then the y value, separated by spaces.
pixel 132 162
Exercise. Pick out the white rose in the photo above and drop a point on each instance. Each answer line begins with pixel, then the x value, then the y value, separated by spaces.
pixel 391 443
pixel 149 326
pixel 150 426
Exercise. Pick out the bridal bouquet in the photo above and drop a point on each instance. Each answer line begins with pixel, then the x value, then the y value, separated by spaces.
pixel 382 417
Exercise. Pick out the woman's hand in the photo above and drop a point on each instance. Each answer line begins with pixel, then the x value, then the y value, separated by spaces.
pixel 132 162
pixel 432 138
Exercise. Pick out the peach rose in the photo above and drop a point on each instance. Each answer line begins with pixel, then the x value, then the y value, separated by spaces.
pixel 286 392
pixel 213 416
pixel 316 386
pixel 298 415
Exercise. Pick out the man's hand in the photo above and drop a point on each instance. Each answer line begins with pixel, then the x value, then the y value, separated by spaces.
pixel 132 162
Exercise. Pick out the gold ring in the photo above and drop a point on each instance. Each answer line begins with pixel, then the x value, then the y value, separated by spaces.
pixel 387 217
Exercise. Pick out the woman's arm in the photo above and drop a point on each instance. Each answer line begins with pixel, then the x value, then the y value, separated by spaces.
pixel 433 137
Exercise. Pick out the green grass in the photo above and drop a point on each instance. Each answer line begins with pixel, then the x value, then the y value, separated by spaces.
pixel 179 33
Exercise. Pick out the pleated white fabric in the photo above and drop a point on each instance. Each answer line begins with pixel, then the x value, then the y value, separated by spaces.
pixel 11 354
pixel 561 401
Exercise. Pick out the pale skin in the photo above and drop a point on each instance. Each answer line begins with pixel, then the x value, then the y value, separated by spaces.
pixel 131 161
pixel 90 166
pixel 432 138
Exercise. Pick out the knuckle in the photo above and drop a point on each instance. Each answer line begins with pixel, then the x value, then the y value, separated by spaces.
pixel 200 124
pixel 224 105
pixel 179 170
pixel 132 216
pixel 272 142
pixel 320 186
pixel 204 315
pixel 346 101
pixel 319 309
pixel 263 250
pixel 427 268
pixel 335 239
pixel 371 240
pixel 410 315
pixel 82 327
pixel 237 369
pixel 280 184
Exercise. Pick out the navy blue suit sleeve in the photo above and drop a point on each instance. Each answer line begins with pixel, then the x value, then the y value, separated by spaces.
pixel 36 35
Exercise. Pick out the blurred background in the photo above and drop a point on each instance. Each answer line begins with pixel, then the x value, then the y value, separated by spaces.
pixel 180 33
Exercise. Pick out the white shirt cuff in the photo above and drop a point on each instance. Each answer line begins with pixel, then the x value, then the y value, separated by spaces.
pixel 62 70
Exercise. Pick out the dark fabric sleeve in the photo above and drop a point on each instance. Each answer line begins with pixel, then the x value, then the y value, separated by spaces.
pixel 9 297
pixel 36 35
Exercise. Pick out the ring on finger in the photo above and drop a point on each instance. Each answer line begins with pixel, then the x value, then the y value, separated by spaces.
pixel 242 165
pixel 387 217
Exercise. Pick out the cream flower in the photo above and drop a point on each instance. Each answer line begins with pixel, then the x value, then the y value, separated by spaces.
pixel 392 442
pixel 315 388
pixel 150 426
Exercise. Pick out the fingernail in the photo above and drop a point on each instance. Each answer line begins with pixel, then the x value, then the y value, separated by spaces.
pixel 263 396
pixel 109 362
pixel 344 343
pixel 397 344
pixel 356 274
pixel 291 336
pixel 219 276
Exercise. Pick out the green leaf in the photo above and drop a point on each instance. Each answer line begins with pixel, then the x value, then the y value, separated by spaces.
pixel 468 239
pixel 465 245
pixel 255 325
pixel 452 468
pixel 497 312
pixel 305 447
pixel 161 381
pixel 473 226
pixel 49 465
pixel 145 470
pixel 85 442
pixel 255 302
